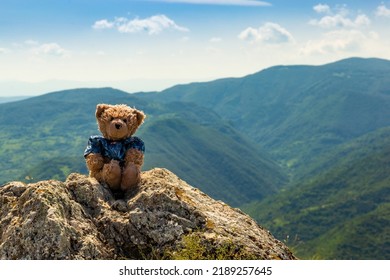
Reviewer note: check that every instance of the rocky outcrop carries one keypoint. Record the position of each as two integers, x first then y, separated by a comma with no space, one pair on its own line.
164,219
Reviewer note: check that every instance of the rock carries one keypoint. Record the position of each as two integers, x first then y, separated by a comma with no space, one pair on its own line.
164,219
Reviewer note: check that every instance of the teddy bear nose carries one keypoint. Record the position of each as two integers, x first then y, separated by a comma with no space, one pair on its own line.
118,125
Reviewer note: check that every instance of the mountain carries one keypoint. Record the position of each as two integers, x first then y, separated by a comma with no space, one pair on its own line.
165,218
301,148
341,211
44,138
297,113
6,99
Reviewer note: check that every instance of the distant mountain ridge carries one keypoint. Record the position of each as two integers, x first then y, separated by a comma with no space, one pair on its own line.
7,99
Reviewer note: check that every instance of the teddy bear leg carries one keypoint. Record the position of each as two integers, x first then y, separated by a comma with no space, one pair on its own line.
131,177
95,165
112,174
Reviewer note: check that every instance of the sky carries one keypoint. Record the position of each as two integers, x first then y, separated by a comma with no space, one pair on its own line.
132,45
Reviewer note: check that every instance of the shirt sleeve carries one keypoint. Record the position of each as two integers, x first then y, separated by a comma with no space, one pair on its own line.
93,146
135,143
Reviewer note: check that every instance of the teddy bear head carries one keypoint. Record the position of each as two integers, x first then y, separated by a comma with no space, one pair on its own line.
117,122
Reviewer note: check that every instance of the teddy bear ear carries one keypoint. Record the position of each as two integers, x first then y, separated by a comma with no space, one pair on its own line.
140,116
100,108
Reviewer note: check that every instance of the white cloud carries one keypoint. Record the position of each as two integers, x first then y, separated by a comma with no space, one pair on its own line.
338,18
51,49
336,42
103,24
151,25
362,20
382,11
340,21
322,9
250,34
268,33
220,2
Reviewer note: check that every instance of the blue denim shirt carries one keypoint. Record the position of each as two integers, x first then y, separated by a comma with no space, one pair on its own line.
113,149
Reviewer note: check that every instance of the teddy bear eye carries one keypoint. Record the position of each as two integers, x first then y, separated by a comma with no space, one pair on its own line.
125,120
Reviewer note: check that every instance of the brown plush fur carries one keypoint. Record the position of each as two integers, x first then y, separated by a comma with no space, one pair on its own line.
117,122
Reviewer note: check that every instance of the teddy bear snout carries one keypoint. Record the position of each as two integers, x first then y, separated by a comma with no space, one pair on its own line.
117,129
118,124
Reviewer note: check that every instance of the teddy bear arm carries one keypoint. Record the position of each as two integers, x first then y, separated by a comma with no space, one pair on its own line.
94,162
134,156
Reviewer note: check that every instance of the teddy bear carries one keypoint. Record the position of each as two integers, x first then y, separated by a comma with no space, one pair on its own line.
116,158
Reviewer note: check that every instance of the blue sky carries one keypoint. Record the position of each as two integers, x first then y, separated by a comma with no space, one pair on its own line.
48,45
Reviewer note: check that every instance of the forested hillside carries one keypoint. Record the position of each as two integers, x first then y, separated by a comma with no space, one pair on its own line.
341,211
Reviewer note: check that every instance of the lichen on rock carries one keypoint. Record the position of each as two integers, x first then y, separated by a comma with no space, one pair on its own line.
81,219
